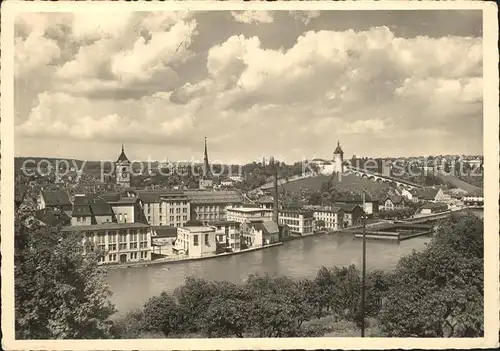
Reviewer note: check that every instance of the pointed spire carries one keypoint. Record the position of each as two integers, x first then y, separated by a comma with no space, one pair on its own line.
206,164
123,149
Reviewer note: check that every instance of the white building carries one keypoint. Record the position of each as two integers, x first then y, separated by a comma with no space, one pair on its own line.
333,217
248,214
300,222
228,234
196,241
119,242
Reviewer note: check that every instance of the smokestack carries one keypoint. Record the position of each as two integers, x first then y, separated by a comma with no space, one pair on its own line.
275,200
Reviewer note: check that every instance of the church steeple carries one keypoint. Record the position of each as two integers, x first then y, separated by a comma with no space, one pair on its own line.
206,164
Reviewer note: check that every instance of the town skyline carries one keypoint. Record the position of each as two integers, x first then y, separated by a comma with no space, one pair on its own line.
358,77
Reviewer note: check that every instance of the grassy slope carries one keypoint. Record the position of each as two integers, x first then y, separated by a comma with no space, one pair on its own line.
459,183
348,182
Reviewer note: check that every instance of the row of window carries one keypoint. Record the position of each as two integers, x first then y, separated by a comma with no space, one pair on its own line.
123,246
171,210
172,218
122,238
210,208
133,256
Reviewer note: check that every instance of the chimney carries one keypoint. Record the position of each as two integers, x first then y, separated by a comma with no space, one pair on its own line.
275,199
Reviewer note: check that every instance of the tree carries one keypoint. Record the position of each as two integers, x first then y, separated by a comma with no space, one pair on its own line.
225,317
161,313
59,292
439,292
320,223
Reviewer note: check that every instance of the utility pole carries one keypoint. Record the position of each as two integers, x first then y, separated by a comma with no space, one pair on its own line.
363,273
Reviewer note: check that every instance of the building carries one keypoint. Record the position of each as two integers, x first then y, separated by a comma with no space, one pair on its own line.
299,221
228,234
430,195
248,214
196,241
170,208
475,199
127,209
259,233
91,210
395,202
352,214
338,159
55,199
163,239
265,201
119,242
366,202
433,207
210,206
332,217
122,170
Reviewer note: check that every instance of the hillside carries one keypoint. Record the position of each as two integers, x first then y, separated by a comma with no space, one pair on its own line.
348,183
459,183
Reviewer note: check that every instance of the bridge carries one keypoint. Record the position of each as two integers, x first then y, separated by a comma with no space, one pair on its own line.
363,173
358,172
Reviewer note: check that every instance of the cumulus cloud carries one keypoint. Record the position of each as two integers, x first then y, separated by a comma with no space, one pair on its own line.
249,17
134,80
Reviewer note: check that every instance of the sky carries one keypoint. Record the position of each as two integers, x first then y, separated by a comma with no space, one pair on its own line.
288,84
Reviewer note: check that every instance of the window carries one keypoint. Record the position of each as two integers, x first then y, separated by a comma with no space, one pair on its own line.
161,208
119,217
123,238
171,218
133,237
207,242
195,240
125,217
123,246
184,210
178,210
171,210
149,210
112,247
133,246
149,218
161,218
184,218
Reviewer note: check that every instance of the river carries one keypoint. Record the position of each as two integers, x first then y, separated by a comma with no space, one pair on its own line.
300,258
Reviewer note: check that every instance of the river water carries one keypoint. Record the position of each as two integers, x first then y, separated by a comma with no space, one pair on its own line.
300,258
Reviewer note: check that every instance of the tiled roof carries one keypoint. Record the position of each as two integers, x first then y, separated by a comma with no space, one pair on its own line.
267,227
222,223
110,196
427,194
105,226
52,217
330,210
81,210
200,229
305,213
265,199
101,210
209,197
165,231
347,207
56,198
150,196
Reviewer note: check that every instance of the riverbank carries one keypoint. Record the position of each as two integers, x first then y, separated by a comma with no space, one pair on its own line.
167,260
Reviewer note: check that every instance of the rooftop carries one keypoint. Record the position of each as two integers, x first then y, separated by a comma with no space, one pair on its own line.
104,226
201,229
248,209
330,209
56,197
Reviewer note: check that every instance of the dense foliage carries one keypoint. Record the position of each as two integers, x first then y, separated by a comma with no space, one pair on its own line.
439,291
59,292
